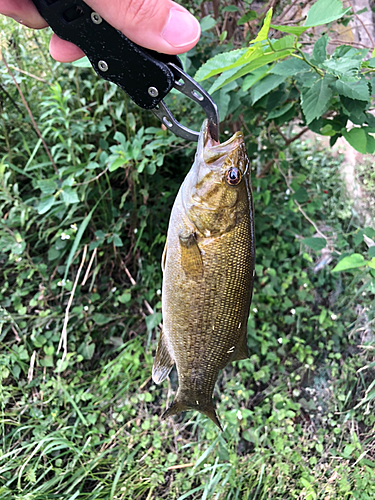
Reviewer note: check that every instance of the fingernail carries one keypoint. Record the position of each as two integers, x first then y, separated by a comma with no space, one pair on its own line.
181,29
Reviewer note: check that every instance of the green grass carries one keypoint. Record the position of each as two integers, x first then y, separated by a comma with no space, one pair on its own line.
298,416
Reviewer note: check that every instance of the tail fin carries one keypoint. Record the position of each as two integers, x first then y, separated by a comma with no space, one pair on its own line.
179,406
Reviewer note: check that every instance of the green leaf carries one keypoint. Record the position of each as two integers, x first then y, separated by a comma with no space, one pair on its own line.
100,319
254,77
47,186
323,12
82,63
354,90
319,52
343,68
290,67
262,88
315,101
301,195
263,33
45,204
230,8
218,64
351,262
249,16
315,243
293,30
117,163
280,111
207,23
153,320
356,137
69,195
117,241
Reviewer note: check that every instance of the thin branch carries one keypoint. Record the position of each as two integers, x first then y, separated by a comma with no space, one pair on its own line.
29,112
92,180
19,70
89,267
64,338
363,24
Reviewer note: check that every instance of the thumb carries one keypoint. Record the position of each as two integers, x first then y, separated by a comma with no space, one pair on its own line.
161,25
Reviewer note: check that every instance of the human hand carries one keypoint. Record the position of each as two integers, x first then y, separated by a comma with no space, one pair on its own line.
161,25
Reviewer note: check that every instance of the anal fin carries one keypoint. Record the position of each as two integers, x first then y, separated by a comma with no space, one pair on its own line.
163,362
191,257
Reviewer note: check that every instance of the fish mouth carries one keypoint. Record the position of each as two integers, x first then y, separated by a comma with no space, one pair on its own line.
213,150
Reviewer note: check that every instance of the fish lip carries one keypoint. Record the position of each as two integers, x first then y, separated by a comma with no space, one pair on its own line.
212,150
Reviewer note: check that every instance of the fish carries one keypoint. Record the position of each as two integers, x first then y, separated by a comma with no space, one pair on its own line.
208,273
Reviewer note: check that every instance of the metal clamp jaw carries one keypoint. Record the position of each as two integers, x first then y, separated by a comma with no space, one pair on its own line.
145,75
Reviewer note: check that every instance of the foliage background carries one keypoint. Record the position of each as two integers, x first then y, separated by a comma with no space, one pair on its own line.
84,214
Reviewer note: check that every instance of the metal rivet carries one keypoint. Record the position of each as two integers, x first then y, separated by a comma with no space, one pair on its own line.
103,66
95,18
153,91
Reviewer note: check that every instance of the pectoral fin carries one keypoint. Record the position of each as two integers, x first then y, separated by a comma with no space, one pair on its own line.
163,362
191,257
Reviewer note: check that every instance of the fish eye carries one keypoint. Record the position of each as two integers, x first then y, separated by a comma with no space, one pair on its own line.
233,176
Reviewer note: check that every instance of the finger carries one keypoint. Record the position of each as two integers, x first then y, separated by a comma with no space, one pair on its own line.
64,51
23,11
161,25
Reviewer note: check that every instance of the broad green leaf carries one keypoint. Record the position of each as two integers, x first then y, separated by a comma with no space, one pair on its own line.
45,204
350,262
248,68
82,63
69,195
370,146
319,52
280,111
354,90
315,101
207,23
262,88
293,30
117,163
343,68
372,263
254,77
324,12
230,8
100,319
263,33
356,137
47,186
290,67
153,320
301,195
249,16
218,64
315,243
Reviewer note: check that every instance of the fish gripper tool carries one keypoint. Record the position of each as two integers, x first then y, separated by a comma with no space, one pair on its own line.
145,75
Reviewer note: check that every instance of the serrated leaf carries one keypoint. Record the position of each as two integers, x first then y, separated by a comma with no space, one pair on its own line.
218,64
356,137
351,262
290,67
315,243
262,88
319,52
45,204
343,68
354,90
315,101
293,30
254,77
323,12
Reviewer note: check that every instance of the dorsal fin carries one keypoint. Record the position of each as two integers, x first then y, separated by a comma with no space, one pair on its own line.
163,362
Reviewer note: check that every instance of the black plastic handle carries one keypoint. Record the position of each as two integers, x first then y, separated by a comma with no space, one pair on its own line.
142,73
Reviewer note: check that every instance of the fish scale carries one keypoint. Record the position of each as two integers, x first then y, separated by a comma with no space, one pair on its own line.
208,266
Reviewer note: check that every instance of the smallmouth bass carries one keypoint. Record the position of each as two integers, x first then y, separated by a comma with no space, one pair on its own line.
208,272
